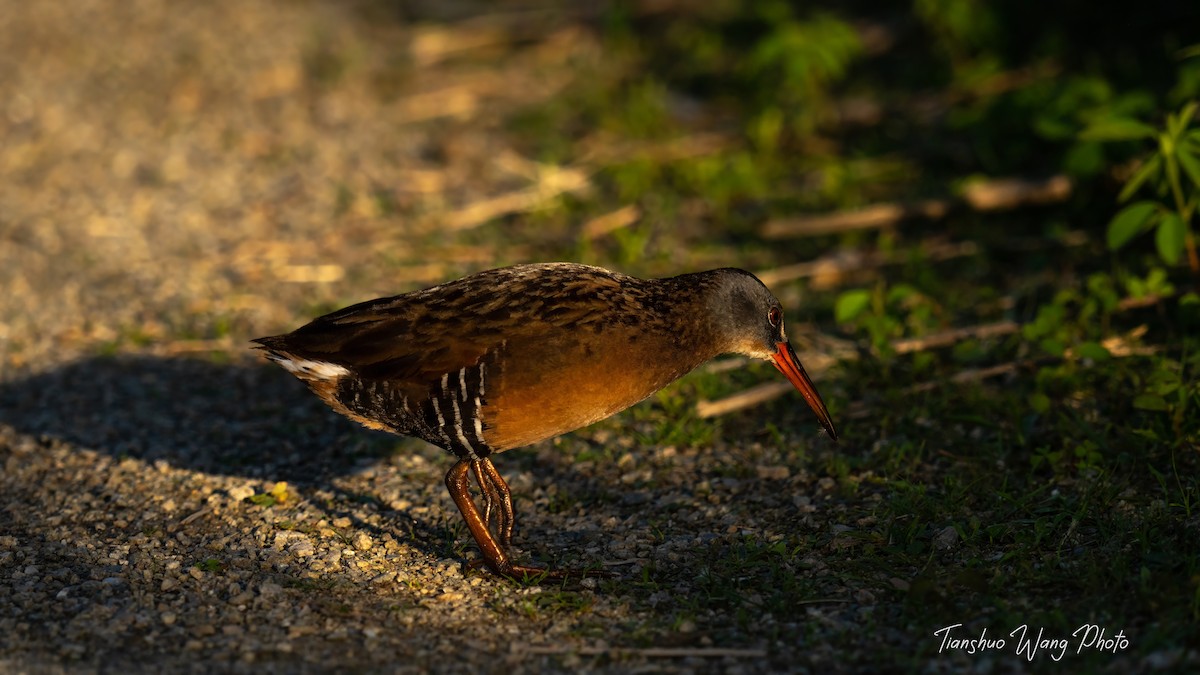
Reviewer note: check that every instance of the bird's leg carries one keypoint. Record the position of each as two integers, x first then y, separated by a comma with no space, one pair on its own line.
494,555
486,488
495,493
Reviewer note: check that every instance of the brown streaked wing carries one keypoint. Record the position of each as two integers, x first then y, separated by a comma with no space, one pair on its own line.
401,342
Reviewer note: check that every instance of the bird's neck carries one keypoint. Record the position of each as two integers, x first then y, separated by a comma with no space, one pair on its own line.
692,303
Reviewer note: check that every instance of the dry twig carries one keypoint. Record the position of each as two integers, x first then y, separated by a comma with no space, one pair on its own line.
610,222
993,195
552,182
835,266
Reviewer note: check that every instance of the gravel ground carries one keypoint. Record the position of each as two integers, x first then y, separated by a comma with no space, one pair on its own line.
133,538
176,178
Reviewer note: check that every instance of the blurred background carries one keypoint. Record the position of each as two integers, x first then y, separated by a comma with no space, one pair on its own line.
979,215
215,171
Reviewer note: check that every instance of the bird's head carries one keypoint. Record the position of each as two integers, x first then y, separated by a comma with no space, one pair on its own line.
750,321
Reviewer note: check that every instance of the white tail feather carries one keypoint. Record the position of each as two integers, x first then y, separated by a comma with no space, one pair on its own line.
304,368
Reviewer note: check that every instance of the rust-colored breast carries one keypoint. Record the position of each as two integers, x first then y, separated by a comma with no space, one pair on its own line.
560,381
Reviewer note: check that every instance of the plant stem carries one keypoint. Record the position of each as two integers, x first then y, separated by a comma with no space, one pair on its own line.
1193,259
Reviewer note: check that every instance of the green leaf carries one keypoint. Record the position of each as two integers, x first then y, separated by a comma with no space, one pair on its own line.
1186,115
900,293
1149,169
1039,402
1128,222
1117,129
264,500
1053,347
1150,402
1177,124
1191,165
1157,282
1164,386
1170,238
1093,350
850,304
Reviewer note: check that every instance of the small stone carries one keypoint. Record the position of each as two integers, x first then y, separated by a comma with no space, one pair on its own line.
946,539
773,472
241,492
362,541
168,618
341,522
168,583
302,548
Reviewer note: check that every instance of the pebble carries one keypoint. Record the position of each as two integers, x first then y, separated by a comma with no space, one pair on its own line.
946,539
302,548
362,541
773,472
241,492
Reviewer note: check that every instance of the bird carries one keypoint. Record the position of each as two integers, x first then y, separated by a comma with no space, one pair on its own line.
508,357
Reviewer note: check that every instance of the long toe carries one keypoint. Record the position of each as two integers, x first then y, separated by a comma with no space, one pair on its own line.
527,574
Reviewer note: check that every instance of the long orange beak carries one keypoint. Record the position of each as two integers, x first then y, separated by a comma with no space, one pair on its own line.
787,363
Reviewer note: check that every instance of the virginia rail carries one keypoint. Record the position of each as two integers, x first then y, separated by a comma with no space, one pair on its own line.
508,357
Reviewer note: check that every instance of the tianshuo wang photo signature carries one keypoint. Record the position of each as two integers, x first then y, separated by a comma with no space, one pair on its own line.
1030,644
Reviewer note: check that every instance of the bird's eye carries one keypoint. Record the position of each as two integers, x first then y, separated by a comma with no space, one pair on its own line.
774,316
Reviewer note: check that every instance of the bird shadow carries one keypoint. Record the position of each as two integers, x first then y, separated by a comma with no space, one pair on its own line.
241,420
254,422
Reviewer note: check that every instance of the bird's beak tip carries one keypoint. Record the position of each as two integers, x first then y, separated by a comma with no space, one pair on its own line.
786,361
